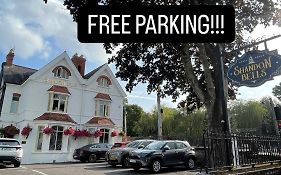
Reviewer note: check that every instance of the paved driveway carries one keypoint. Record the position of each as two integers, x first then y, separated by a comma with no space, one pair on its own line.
84,169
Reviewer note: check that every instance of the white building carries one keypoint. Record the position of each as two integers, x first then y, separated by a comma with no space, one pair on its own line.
60,96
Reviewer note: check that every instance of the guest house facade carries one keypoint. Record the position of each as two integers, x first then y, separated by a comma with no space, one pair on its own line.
59,108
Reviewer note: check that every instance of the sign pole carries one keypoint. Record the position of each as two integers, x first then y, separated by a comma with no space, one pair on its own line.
222,94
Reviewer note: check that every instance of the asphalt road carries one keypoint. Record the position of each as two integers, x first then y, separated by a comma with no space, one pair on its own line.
85,169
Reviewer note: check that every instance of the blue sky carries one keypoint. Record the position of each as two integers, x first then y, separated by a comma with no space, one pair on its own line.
39,32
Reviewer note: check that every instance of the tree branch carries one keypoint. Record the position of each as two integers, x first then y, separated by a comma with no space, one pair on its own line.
207,72
191,78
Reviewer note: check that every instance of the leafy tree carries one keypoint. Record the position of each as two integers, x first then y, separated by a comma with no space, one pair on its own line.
249,116
277,91
182,68
134,113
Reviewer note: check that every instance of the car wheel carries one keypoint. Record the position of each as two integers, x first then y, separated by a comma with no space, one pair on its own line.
136,168
125,162
92,158
155,166
17,164
190,163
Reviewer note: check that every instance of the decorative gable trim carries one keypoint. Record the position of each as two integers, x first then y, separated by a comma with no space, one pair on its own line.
103,96
60,89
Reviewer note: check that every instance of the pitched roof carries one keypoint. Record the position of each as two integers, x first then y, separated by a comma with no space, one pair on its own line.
55,117
100,121
103,96
88,75
16,74
61,89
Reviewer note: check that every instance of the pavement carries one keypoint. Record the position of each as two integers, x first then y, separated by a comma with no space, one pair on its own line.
101,168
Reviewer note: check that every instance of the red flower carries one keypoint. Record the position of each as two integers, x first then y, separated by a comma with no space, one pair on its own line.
98,133
48,130
114,133
25,131
66,132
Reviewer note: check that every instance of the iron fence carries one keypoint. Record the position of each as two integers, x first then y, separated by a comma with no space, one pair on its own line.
246,150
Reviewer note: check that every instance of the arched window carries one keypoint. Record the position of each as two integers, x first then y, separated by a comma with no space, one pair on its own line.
56,138
61,72
105,135
104,81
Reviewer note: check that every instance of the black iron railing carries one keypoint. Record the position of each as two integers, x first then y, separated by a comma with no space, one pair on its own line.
246,150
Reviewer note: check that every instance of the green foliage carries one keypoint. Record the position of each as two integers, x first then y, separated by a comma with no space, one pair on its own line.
134,113
252,116
277,91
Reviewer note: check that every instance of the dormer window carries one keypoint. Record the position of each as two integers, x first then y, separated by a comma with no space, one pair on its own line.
104,81
61,72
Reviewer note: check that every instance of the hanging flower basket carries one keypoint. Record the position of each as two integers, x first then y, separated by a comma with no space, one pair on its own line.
67,132
122,133
11,131
97,133
48,130
26,131
114,133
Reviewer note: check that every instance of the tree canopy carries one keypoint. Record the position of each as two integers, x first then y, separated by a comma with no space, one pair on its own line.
186,69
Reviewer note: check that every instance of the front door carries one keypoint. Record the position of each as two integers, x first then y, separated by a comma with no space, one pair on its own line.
170,156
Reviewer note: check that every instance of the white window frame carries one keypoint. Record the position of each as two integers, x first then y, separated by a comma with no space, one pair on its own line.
40,131
103,82
51,102
55,134
14,104
105,110
105,132
61,73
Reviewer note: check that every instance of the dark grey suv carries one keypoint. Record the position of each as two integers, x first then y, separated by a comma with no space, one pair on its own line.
121,155
163,153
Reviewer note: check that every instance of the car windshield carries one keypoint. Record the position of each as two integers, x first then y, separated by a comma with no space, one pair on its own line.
9,143
155,145
133,144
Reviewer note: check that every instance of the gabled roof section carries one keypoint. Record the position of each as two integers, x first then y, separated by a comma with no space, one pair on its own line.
103,96
111,76
100,121
55,117
54,63
88,75
16,74
60,89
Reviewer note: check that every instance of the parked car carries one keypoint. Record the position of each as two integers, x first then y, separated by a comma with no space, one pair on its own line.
119,145
91,152
163,153
120,156
10,151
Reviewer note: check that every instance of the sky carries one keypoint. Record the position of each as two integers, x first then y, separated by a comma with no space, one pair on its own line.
39,32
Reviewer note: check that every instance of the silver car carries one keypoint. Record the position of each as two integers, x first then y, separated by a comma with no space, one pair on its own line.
120,156
10,151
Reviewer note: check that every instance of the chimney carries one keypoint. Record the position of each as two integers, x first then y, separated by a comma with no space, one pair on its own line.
79,62
10,57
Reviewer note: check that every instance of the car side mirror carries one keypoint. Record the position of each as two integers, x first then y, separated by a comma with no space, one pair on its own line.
141,147
166,148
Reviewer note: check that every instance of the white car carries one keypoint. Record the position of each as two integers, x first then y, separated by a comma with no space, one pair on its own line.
10,151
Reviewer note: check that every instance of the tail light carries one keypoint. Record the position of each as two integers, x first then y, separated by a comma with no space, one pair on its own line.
81,152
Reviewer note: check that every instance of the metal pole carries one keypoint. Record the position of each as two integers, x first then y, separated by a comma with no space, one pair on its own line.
222,93
159,115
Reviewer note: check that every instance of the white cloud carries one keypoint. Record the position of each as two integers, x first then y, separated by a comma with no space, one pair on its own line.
34,27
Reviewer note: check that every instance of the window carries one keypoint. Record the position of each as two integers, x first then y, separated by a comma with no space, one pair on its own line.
104,81
180,145
171,145
15,103
104,137
61,72
56,138
39,138
58,102
102,108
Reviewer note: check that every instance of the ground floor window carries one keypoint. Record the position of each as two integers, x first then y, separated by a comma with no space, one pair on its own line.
105,135
56,138
39,138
